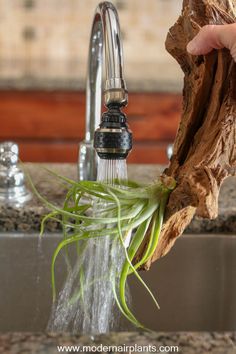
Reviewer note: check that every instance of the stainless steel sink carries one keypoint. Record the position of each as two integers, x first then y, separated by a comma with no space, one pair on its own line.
195,284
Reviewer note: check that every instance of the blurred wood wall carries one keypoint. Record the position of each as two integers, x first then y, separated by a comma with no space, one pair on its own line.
49,125
43,51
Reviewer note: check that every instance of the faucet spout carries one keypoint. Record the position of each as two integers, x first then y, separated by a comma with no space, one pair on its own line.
105,46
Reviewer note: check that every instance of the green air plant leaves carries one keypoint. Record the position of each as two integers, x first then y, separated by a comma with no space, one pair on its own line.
134,208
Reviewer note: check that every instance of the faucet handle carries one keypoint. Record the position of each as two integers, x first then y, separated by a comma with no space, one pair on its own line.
9,153
169,151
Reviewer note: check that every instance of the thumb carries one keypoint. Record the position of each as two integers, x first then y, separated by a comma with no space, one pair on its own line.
214,37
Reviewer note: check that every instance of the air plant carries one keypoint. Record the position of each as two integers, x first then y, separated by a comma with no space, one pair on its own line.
127,207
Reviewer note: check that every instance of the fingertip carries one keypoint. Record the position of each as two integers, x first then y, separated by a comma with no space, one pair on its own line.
201,44
192,48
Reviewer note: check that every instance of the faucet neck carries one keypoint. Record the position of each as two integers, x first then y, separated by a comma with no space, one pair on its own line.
105,46
105,38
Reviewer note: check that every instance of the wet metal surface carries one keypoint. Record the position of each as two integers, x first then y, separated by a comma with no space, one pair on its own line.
195,284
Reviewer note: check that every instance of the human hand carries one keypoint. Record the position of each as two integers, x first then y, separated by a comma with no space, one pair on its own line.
214,37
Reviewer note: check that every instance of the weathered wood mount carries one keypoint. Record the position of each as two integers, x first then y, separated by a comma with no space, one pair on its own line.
205,145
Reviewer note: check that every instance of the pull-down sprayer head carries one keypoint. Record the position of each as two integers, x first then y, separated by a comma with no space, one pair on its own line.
112,140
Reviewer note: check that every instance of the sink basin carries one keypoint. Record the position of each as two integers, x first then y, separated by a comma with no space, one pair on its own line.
195,284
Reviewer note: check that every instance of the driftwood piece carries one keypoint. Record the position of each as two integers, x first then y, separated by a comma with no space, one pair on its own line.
205,145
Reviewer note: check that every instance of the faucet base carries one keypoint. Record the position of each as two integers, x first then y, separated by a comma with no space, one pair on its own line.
87,164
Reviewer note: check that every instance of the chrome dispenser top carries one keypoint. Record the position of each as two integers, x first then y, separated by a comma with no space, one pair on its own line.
12,180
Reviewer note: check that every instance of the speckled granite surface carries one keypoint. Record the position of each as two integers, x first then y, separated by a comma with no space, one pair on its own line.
186,343
27,218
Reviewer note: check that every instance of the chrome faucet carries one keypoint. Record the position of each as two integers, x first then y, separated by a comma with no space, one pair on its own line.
105,42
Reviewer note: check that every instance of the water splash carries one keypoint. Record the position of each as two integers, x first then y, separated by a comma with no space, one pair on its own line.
111,170
86,303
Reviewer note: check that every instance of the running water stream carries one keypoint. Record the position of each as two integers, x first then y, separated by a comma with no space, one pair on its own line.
93,308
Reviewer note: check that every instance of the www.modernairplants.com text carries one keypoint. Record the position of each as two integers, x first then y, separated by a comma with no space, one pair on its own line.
119,348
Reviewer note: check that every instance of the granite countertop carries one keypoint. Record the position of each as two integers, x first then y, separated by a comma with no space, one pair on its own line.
27,218
185,343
